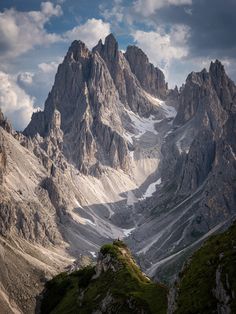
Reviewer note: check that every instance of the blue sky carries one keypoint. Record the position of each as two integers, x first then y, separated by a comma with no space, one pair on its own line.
179,36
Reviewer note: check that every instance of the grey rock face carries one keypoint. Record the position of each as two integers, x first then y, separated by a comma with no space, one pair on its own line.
222,296
4,123
198,174
151,78
91,92
80,97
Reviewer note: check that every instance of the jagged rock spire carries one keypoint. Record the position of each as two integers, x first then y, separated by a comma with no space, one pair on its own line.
151,79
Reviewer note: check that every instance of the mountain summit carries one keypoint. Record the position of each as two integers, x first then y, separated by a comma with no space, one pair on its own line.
88,87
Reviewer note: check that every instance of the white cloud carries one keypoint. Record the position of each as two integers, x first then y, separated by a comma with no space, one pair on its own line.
89,32
39,82
50,67
22,31
148,7
48,9
115,14
16,105
162,48
25,78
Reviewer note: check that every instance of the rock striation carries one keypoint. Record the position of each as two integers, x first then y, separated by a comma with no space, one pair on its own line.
151,78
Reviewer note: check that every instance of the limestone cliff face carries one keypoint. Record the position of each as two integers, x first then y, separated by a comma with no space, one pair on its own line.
207,112
151,78
92,92
198,174
85,97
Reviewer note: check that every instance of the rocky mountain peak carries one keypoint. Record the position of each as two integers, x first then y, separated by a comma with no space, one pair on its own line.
78,50
225,88
108,50
136,52
85,102
151,78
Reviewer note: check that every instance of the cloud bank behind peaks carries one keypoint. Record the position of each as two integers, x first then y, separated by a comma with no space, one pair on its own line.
164,48
89,32
16,105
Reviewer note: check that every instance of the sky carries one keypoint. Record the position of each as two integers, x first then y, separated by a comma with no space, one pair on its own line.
179,36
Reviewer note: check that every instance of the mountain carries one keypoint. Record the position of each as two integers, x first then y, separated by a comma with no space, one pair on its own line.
114,285
115,154
197,196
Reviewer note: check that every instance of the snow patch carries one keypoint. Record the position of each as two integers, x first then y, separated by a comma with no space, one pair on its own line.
232,152
169,111
142,125
151,189
93,254
127,232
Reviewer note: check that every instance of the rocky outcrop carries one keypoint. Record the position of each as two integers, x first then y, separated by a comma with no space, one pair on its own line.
221,294
3,158
151,78
4,123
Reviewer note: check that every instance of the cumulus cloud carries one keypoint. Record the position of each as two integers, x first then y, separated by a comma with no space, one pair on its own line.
148,7
25,78
16,105
162,47
22,31
50,67
89,32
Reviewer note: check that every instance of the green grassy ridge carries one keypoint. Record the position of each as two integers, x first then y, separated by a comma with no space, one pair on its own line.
126,285
198,278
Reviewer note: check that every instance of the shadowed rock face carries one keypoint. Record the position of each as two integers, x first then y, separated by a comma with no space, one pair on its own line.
151,78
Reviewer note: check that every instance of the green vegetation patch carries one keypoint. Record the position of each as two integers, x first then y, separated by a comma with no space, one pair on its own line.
199,278
127,289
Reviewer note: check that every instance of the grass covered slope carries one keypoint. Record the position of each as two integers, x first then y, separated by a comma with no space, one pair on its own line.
208,282
114,285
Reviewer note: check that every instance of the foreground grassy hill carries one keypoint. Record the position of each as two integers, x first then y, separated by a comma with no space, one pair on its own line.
206,285
114,285
208,282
